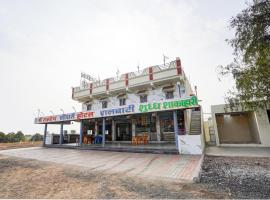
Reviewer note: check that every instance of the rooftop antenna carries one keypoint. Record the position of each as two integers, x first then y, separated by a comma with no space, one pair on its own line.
62,110
73,108
117,73
38,112
195,90
164,59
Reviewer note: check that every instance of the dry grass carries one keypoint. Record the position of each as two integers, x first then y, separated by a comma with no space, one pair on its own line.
4,146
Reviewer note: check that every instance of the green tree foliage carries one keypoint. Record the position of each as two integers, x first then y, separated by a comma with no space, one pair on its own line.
12,137
2,137
19,136
251,66
37,137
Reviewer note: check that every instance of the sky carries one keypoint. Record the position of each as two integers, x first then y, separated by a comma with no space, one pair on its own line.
45,45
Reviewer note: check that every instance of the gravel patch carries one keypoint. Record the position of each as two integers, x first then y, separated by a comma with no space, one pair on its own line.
240,177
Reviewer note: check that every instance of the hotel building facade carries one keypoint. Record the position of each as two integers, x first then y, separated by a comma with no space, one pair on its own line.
152,107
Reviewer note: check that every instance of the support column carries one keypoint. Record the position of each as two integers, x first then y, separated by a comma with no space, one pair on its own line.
158,128
175,125
133,127
149,116
45,134
61,134
81,133
103,131
96,128
113,130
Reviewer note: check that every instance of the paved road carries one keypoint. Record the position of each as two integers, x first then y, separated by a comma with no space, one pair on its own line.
157,166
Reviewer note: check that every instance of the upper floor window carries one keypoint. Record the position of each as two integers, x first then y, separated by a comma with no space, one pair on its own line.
89,107
143,98
169,95
104,104
122,101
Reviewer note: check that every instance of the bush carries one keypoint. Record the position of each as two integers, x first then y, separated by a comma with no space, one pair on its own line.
37,137
12,137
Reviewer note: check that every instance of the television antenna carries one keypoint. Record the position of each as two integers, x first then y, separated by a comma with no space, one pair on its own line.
117,73
164,59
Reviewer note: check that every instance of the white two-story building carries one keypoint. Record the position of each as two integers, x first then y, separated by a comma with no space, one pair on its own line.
152,107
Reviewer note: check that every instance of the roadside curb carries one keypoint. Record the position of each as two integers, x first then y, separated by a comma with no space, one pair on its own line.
198,171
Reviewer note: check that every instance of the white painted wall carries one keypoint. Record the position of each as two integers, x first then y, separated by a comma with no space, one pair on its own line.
264,127
155,95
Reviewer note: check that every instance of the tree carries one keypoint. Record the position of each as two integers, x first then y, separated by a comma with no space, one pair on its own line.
251,66
19,136
37,137
2,137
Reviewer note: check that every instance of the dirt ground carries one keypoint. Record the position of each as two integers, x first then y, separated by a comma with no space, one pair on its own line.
25,178
221,177
241,177
4,146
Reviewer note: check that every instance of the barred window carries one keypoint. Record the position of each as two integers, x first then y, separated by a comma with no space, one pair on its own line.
169,95
143,98
104,104
89,107
122,101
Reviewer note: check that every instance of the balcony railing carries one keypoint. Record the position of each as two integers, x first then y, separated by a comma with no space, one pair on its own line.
129,80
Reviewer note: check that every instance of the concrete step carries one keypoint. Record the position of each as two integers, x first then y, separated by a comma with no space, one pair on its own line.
154,150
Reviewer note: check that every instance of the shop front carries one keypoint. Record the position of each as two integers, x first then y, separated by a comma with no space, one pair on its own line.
156,125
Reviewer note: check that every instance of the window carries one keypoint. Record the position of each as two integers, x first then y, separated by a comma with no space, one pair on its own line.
89,107
104,104
268,113
122,101
169,95
143,98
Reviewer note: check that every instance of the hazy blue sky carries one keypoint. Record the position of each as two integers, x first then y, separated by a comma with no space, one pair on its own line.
45,45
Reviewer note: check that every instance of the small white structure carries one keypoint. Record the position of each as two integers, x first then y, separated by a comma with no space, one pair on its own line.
240,127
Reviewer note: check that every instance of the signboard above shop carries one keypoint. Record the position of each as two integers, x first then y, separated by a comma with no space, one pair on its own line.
64,117
189,102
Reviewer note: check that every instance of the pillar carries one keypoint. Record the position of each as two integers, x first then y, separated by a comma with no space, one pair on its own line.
81,133
158,128
133,127
118,131
149,116
175,125
127,129
113,130
96,128
103,131
45,134
61,134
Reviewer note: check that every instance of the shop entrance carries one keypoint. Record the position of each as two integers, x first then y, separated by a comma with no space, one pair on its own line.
237,128
93,128
123,132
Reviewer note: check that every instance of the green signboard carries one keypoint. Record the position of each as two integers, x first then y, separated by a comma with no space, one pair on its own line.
167,105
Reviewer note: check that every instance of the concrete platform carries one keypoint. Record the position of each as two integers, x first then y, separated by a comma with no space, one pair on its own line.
124,147
180,168
238,151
